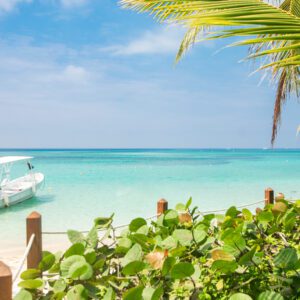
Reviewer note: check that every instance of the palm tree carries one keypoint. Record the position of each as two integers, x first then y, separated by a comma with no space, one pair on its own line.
271,30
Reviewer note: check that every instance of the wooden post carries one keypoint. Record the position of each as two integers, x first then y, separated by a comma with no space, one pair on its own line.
162,206
269,196
5,282
34,226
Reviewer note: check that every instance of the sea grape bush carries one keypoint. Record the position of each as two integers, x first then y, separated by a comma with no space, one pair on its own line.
181,255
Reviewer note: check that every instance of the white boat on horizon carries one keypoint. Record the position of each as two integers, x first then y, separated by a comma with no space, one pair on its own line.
13,191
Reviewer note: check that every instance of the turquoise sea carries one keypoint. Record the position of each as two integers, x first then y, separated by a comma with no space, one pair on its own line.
83,184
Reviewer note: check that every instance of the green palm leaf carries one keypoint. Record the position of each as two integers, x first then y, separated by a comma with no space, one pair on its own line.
276,31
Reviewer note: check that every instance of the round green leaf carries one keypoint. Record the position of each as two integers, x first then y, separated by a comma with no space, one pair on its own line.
59,286
199,235
134,253
171,218
182,270
48,260
270,295
80,270
77,292
183,236
224,266
287,258
240,296
23,295
133,268
75,249
134,293
68,262
136,224
30,274
31,284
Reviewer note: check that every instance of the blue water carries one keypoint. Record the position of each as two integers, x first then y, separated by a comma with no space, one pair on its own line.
84,184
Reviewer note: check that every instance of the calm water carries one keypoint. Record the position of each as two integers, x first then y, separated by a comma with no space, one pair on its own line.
83,184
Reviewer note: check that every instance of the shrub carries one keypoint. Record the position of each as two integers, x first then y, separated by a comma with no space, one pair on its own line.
181,255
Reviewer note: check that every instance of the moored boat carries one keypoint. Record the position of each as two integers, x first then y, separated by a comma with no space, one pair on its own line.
13,191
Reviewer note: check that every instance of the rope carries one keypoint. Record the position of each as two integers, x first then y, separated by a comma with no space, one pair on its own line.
87,231
225,209
24,257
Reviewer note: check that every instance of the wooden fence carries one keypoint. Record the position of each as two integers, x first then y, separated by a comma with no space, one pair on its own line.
34,244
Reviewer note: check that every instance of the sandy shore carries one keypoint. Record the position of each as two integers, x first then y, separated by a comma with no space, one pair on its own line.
12,257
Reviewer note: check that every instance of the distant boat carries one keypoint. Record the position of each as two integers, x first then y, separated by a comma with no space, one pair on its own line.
13,191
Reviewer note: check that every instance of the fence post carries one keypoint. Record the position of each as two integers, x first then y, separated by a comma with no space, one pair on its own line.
269,196
34,226
162,206
5,282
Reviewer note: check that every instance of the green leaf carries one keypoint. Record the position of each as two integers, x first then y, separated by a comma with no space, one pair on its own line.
59,286
31,284
67,263
77,292
48,260
270,295
75,249
30,274
125,243
265,217
199,235
182,270
247,214
168,265
224,266
80,270
149,293
188,204
23,295
183,236
90,257
75,236
219,254
170,218
134,293
103,222
110,294
133,268
286,259
240,296
169,243
92,237
134,253
232,212
143,230
247,258
136,224
180,207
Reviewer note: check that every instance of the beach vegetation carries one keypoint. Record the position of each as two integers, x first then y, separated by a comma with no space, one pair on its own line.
182,254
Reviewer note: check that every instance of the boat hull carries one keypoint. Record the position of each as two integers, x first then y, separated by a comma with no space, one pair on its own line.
21,189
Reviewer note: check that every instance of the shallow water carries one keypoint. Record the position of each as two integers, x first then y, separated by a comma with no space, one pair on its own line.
84,184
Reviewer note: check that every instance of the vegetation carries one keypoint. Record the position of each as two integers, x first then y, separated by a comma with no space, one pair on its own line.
272,31
181,255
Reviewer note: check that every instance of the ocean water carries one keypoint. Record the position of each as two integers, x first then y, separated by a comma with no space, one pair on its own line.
81,185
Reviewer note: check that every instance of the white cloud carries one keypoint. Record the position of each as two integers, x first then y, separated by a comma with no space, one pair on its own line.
73,3
161,41
75,73
8,5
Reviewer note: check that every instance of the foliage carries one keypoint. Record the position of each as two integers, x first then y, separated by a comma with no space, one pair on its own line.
272,31
181,255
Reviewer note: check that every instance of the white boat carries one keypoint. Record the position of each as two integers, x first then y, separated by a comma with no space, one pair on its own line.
13,191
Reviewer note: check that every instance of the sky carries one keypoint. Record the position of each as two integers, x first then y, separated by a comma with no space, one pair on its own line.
89,74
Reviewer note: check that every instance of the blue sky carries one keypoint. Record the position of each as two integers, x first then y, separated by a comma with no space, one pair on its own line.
86,73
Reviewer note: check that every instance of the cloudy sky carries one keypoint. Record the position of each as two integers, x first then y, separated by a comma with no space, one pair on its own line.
86,73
